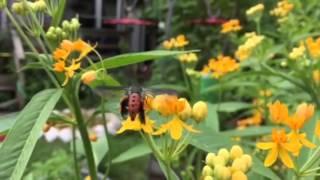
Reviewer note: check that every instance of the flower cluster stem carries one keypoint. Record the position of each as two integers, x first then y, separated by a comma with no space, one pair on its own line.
85,137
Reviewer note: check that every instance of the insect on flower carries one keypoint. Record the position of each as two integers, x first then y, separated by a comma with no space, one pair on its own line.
136,100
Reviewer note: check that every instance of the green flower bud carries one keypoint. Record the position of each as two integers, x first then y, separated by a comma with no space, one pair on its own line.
65,25
40,6
207,171
49,35
64,35
58,31
17,7
51,29
75,24
3,4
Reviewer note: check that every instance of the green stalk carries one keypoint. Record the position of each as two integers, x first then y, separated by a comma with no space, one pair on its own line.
84,134
74,149
310,162
22,34
108,164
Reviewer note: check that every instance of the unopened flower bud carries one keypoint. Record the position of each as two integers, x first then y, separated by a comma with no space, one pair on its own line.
208,178
239,165
219,160
65,25
89,76
46,127
40,5
199,111
236,152
93,137
238,175
248,159
207,171
87,178
17,7
210,159
187,111
58,31
222,172
3,4
224,153
75,24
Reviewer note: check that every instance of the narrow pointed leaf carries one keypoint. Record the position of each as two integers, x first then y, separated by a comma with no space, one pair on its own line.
22,137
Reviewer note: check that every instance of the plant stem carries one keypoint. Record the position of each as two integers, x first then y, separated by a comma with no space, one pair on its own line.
85,136
74,149
22,34
168,169
108,164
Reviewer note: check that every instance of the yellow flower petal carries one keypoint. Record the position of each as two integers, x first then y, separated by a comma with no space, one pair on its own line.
317,129
176,130
266,145
286,159
304,141
271,157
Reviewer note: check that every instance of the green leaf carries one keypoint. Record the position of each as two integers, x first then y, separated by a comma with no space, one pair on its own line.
178,88
57,16
32,65
212,120
209,140
7,121
231,106
259,168
134,152
24,134
100,149
133,58
250,131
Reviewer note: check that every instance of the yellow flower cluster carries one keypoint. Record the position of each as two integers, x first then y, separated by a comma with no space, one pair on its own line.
220,66
232,25
245,50
227,165
178,42
283,9
282,144
177,109
65,60
313,47
255,10
297,52
188,57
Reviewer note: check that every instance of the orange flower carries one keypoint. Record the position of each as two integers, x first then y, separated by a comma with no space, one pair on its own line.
254,120
305,111
181,41
313,47
167,105
278,112
64,63
221,66
169,44
279,147
232,25
283,9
